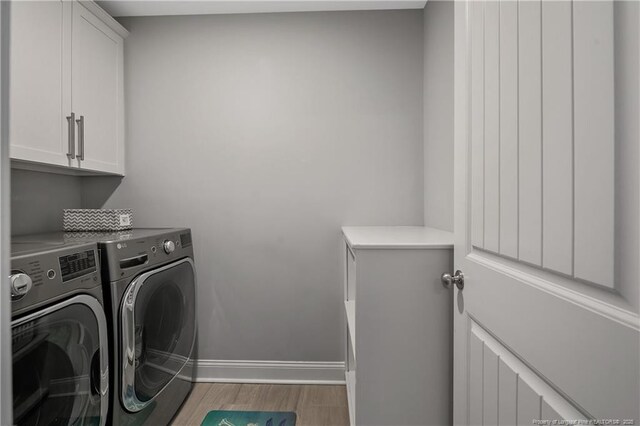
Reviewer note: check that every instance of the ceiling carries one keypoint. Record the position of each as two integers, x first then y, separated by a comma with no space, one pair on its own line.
207,7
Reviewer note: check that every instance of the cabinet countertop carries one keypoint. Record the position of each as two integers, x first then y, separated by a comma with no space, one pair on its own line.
397,237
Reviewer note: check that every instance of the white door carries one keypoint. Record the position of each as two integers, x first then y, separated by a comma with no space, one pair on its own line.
97,92
40,97
546,221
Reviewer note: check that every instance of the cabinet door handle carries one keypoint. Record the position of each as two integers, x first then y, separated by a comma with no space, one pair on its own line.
81,138
72,136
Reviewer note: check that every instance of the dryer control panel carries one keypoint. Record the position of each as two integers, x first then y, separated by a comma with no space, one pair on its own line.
142,249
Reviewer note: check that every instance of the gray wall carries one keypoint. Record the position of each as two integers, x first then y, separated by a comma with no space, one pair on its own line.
438,114
265,134
37,200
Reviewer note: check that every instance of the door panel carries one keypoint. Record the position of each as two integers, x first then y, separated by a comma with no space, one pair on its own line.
97,64
524,392
528,404
594,141
491,115
566,140
538,329
557,137
40,93
489,386
507,394
476,13
529,173
476,390
509,129
570,339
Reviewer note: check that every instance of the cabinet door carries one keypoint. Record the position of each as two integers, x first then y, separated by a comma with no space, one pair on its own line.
97,91
40,96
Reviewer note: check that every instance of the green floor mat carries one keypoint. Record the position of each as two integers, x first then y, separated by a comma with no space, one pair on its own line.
249,418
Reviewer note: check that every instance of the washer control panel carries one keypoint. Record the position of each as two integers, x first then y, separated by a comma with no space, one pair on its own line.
39,277
77,264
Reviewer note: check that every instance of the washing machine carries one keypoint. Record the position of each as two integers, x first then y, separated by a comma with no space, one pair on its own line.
59,335
149,279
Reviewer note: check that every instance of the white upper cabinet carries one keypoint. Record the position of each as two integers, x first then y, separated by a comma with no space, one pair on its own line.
96,55
66,86
39,100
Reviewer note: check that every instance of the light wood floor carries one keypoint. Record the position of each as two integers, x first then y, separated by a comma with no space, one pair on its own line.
315,405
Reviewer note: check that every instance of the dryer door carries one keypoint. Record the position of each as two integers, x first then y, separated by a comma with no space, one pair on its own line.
61,365
158,331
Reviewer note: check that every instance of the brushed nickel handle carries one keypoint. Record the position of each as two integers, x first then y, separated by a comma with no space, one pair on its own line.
457,279
72,136
81,138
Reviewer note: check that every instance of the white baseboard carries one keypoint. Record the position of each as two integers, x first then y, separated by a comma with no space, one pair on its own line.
282,372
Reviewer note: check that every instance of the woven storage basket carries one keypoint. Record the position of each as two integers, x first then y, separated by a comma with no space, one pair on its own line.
97,220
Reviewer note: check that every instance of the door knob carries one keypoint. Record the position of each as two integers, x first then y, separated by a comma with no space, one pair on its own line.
457,279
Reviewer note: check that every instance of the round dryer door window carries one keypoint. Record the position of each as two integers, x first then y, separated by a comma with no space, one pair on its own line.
158,331
60,365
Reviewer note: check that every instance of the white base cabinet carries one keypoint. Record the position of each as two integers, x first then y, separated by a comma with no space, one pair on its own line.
399,325
66,87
